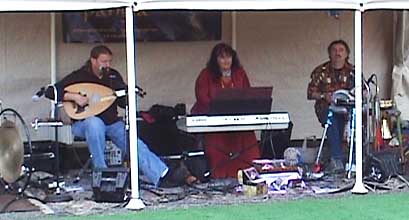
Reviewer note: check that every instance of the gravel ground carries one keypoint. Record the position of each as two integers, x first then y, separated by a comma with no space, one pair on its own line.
205,194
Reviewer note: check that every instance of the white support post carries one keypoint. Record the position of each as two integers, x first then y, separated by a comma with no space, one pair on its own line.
135,202
359,187
53,59
234,30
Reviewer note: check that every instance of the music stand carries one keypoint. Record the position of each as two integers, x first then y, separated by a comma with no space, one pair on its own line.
237,101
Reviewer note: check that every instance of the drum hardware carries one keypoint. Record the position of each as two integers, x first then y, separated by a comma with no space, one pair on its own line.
343,102
386,132
59,195
374,122
317,165
393,114
351,142
12,170
386,104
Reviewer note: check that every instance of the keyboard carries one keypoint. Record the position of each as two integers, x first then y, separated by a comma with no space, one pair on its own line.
251,119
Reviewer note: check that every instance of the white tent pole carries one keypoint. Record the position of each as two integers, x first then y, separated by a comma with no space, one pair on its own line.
234,30
53,60
135,202
359,186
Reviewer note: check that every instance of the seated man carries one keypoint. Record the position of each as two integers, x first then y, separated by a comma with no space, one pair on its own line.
327,78
107,124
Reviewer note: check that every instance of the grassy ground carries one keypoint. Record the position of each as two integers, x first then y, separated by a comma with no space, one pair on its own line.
374,207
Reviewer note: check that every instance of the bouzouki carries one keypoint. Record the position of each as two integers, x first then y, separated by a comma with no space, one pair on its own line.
99,99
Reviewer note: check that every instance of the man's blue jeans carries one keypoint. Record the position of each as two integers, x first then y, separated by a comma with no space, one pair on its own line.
335,134
94,131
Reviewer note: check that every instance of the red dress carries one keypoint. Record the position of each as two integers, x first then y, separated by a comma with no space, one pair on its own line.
227,152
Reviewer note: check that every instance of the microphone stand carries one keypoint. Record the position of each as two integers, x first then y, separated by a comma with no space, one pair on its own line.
58,196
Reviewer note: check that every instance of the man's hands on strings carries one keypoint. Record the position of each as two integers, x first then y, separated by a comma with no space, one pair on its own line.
81,100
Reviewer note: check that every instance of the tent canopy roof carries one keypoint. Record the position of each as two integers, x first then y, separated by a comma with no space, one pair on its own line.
385,4
246,4
74,5
271,4
61,5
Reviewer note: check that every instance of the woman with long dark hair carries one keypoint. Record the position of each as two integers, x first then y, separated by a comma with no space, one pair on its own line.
227,152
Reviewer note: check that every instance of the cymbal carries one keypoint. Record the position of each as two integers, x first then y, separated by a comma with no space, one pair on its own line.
11,152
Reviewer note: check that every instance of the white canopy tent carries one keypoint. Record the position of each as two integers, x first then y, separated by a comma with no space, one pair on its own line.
359,6
61,5
246,4
76,5
384,4
355,5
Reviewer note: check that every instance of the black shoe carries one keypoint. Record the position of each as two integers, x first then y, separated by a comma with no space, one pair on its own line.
178,176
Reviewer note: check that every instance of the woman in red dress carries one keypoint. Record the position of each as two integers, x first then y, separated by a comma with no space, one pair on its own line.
227,152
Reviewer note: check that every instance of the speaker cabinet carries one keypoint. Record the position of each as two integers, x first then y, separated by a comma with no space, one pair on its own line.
110,184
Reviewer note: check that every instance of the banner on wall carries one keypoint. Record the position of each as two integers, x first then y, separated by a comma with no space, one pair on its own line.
108,26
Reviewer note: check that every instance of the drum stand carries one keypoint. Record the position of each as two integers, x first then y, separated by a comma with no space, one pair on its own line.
318,166
352,126
59,195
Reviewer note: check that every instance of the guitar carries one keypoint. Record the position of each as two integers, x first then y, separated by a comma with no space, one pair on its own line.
99,99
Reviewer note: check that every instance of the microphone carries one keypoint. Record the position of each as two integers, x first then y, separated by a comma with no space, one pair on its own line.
103,70
51,92
370,79
36,97
47,91
140,91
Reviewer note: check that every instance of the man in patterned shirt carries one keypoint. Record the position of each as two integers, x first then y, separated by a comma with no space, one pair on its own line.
335,74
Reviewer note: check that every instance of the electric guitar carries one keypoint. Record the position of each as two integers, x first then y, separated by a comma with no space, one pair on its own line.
99,99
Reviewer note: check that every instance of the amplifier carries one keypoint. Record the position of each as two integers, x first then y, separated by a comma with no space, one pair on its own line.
110,184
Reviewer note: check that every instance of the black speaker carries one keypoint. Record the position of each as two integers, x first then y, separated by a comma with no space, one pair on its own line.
110,184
